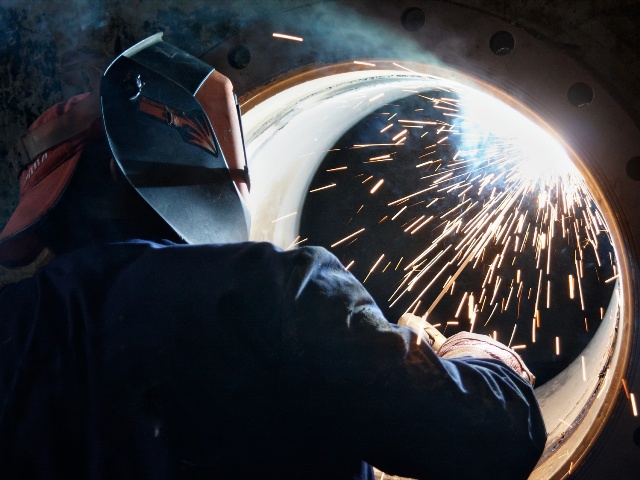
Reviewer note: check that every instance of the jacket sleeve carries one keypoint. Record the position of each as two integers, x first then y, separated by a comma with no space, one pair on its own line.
393,400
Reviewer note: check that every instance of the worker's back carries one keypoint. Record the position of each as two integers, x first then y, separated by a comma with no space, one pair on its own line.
137,360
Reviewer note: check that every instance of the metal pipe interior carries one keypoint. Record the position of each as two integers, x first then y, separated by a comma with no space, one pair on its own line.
288,135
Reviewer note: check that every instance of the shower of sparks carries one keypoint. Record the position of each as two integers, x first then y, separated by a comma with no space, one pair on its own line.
505,204
288,37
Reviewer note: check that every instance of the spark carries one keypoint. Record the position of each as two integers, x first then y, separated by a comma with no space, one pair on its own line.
373,268
571,288
584,369
464,297
422,224
410,196
418,122
358,62
381,157
634,408
296,242
367,145
377,186
548,294
284,216
367,179
414,223
376,97
492,312
399,212
512,334
350,265
404,68
336,169
625,387
399,135
557,345
288,37
579,285
323,188
533,330
348,237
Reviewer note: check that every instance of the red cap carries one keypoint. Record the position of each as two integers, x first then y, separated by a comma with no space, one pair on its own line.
41,184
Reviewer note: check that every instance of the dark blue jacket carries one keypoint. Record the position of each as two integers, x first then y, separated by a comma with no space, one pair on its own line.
136,360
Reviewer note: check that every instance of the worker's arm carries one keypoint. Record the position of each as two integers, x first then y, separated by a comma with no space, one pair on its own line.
466,344
404,409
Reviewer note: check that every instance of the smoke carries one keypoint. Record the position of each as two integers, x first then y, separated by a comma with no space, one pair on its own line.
343,31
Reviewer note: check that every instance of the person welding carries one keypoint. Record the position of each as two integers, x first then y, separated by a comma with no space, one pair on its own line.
144,336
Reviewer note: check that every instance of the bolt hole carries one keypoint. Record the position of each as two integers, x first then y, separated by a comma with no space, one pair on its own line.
239,57
633,168
636,436
502,43
413,19
580,94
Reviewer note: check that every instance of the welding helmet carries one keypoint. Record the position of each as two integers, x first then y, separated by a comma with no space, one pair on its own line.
157,105
155,99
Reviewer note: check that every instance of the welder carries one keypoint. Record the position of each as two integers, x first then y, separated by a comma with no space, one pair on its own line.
144,336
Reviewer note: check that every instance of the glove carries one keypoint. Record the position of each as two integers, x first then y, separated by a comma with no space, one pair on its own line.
424,329
465,344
